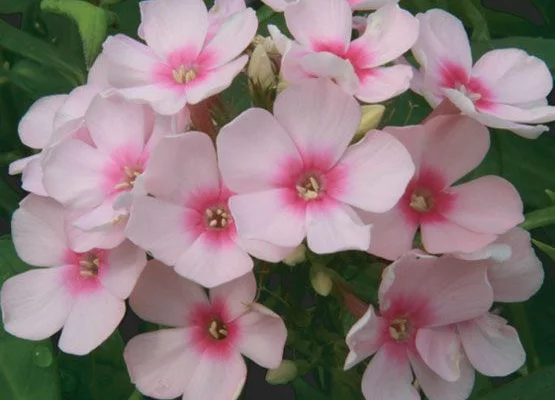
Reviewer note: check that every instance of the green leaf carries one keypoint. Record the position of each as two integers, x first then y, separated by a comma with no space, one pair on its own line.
28,370
101,375
539,47
38,80
536,386
547,249
92,22
539,218
305,391
44,53
9,199
15,6
136,396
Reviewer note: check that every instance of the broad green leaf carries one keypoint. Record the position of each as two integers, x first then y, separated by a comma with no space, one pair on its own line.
536,46
92,22
305,391
27,46
15,6
539,385
100,375
539,218
28,370
38,80
547,249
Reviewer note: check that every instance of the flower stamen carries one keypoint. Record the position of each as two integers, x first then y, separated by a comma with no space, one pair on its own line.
399,330
421,200
309,189
217,217
217,329
89,265
183,74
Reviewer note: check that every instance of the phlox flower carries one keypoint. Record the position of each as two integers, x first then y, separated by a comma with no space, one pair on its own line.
94,176
463,217
323,48
515,274
81,293
420,298
179,64
281,5
296,176
505,88
201,357
188,223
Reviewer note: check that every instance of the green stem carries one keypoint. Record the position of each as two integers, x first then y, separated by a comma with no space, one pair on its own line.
539,218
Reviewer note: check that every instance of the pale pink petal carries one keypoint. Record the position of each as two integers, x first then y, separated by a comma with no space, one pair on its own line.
237,295
17,166
492,347
37,125
173,169
456,145
319,116
100,217
210,263
124,264
262,336
364,338
391,234
159,363
215,80
69,118
320,22
233,36
291,68
170,25
413,137
513,76
440,348
489,204
130,62
383,83
163,99
377,171
74,174
278,5
495,251
333,227
445,289
388,376
263,250
370,4
253,150
519,277
31,179
117,126
267,216
328,65
390,32
163,297
436,388
35,304
536,115
104,237
38,231
442,43
216,378
93,318
98,74
160,228
446,237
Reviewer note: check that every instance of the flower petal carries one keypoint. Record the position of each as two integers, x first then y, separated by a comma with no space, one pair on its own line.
378,169
440,348
93,318
37,125
38,231
319,116
328,65
31,179
380,84
447,237
237,295
364,338
124,264
35,304
163,297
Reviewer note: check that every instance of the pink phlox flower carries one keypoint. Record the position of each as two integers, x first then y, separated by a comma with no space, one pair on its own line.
412,333
322,47
356,5
188,223
81,293
202,357
179,64
506,88
451,218
296,176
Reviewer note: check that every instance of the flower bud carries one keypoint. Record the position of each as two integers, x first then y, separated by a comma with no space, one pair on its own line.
320,278
286,372
260,70
297,256
371,118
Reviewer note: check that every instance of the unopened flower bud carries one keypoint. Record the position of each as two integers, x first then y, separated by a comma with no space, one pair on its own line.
297,256
320,278
286,372
370,119
261,71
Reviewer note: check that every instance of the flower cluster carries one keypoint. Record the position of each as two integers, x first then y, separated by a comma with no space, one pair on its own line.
132,166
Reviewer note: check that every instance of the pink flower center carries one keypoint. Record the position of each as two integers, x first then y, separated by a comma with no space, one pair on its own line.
455,77
400,329
422,200
184,75
218,329
128,178
309,187
217,217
